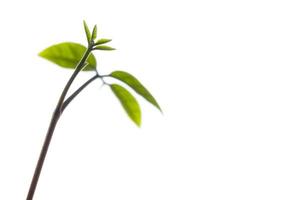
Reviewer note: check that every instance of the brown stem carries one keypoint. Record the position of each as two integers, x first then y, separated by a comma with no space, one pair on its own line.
70,98
55,117
54,120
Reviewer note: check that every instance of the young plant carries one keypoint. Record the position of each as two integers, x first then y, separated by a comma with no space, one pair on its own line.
80,58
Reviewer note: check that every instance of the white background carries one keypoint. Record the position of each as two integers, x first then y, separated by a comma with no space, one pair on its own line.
214,66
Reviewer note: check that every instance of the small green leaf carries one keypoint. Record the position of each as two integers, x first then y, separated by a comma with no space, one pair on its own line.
87,32
134,83
67,55
94,33
128,102
102,41
102,47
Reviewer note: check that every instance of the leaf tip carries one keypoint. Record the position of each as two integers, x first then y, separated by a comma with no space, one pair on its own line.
138,123
159,108
85,24
161,111
41,54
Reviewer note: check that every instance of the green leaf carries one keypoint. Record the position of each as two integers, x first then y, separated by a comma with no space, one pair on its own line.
134,83
87,32
94,33
67,55
102,41
128,102
102,47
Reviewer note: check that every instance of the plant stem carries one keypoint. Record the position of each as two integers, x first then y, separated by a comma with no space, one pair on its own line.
70,98
55,117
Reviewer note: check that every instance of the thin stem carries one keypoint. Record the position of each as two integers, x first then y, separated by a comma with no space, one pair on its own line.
69,83
55,117
71,97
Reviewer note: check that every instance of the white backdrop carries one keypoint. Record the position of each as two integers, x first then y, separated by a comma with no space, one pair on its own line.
214,66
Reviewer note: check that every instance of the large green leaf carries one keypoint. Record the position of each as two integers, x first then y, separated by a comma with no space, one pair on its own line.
67,55
128,102
134,83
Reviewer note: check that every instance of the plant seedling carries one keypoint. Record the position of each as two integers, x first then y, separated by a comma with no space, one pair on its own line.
80,58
